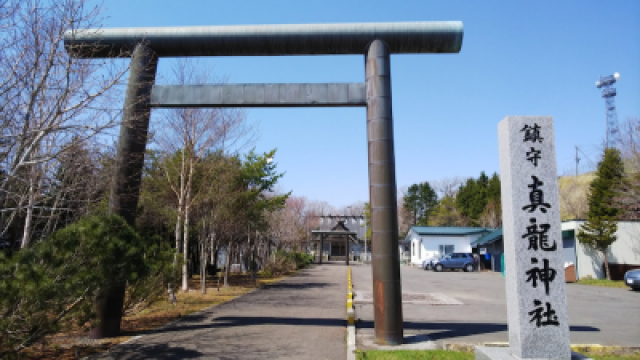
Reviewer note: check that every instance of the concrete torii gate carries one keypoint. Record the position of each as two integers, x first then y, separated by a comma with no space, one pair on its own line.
377,41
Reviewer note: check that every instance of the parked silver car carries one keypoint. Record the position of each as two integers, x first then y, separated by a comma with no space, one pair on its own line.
427,263
632,279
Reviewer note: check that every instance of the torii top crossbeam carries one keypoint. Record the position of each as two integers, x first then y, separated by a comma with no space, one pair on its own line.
250,40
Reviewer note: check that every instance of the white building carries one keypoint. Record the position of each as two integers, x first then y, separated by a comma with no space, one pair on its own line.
426,242
623,254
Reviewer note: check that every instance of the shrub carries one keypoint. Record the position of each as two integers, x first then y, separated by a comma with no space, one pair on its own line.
302,259
287,261
53,283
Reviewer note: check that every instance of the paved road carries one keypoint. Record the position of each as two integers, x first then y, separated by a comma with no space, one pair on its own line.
301,317
471,308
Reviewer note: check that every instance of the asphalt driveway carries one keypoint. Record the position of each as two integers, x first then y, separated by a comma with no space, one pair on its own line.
470,308
300,317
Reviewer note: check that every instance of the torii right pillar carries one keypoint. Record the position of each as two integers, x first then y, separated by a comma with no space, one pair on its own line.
387,291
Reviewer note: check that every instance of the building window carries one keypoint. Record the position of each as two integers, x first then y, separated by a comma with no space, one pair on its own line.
445,249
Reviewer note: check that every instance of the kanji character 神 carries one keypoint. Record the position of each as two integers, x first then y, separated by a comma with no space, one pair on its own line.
544,275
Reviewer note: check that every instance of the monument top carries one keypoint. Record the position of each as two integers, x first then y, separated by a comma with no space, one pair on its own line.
269,40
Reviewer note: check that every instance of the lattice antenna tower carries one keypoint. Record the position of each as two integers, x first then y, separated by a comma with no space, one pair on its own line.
609,93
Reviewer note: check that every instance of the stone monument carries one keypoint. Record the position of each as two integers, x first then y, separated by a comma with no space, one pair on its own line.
535,285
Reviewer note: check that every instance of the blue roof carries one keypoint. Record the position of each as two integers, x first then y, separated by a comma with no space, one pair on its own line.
489,238
448,230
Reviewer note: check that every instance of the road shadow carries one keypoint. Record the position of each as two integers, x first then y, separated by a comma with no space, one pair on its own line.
444,330
189,323
153,351
297,286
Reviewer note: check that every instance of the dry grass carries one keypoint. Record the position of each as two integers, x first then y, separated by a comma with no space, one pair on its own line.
75,344
602,282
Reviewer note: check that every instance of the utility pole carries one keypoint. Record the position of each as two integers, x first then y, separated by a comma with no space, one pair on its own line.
577,160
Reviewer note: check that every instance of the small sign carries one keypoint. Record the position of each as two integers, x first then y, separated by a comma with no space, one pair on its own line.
483,251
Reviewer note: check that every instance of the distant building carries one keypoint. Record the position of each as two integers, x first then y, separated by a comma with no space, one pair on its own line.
624,254
334,244
426,242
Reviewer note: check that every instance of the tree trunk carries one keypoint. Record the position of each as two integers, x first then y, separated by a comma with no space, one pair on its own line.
185,255
203,267
26,234
253,261
178,233
214,258
227,268
248,252
52,221
606,264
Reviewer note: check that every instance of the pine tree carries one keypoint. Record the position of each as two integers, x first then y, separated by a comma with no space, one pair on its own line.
419,201
599,230
475,195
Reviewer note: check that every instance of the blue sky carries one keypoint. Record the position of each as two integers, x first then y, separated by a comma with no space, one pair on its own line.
517,58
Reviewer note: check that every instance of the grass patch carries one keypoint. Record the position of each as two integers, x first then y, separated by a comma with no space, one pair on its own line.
608,352
613,357
605,354
74,344
414,354
602,282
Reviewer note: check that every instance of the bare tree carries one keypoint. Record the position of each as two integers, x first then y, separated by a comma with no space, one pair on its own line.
448,186
491,215
48,99
319,208
628,198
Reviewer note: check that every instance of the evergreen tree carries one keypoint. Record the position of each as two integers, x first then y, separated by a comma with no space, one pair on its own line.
419,201
476,194
465,198
599,230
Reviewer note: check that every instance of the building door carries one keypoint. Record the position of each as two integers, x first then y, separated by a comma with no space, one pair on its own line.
338,249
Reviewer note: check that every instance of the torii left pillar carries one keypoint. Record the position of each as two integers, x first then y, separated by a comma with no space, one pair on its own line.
125,188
